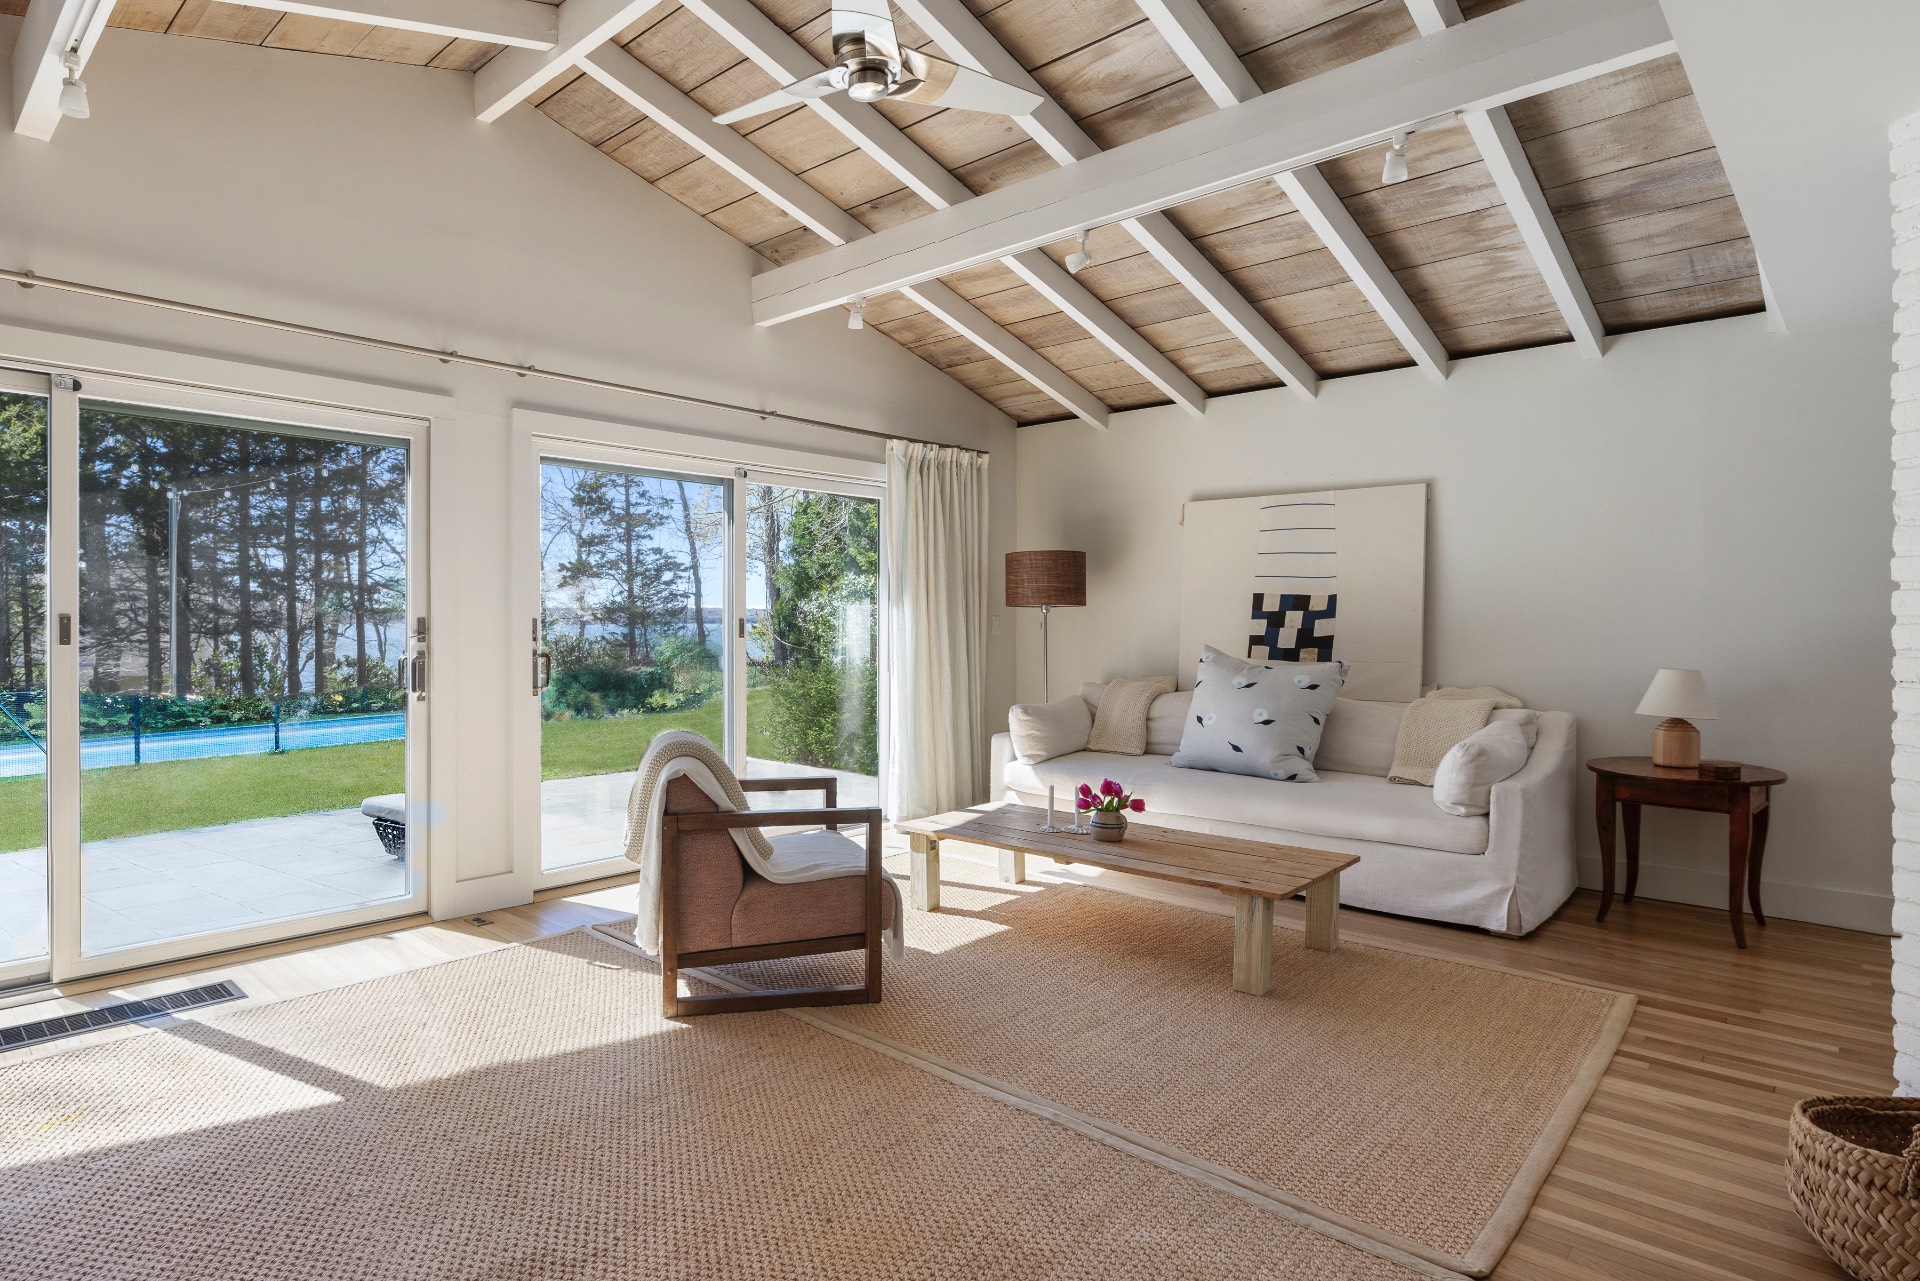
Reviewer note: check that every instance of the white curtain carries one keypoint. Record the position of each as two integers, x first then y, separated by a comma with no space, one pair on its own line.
937,555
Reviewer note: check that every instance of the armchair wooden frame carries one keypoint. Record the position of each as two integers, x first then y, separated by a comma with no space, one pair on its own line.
673,1002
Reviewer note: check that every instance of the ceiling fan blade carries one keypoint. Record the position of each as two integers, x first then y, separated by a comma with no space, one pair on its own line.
814,86
871,21
939,83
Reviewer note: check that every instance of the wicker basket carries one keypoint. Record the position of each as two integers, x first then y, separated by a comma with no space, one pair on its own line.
1853,1171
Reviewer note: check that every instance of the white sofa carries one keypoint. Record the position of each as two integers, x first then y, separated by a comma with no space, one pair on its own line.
1505,871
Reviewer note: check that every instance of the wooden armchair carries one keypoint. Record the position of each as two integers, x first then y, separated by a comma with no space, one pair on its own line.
716,910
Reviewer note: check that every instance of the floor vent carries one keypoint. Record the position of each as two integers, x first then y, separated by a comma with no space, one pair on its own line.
16,1038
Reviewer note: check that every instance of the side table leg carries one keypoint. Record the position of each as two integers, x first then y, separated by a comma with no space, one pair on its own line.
1630,827
1252,943
926,872
1013,866
1739,841
1603,818
1761,821
1323,914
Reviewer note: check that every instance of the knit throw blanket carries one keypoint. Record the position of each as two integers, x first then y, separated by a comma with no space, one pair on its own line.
1434,724
798,856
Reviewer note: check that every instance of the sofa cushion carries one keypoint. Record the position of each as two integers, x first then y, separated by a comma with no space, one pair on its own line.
1359,737
1167,721
1353,806
1042,730
1262,719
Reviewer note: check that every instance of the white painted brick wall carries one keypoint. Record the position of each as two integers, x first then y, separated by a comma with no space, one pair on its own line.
1904,139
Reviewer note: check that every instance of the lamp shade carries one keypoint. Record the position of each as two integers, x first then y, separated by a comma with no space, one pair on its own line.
1678,692
1046,578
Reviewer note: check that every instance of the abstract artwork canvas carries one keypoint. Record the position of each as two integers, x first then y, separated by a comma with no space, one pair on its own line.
1311,578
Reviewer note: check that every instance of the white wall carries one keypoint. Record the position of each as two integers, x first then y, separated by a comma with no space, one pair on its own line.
363,196
1905,139
1708,496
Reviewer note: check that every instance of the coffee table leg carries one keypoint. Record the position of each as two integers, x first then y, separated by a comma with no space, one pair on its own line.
1252,943
926,872
1323,914
1013,866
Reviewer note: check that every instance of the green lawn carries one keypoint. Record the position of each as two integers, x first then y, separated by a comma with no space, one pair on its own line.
164,796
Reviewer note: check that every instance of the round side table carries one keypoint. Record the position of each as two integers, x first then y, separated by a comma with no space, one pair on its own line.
1747,801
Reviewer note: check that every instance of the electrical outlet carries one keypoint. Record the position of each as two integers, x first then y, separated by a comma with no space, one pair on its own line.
996,624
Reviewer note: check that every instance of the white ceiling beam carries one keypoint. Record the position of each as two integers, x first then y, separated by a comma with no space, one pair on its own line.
522,24
1526,49
581,26
1320,205
1513,175
758,37
640,87
1198,42
984,333
1432,16
49,29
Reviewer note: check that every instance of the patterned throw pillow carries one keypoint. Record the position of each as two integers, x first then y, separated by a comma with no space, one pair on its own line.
1262,719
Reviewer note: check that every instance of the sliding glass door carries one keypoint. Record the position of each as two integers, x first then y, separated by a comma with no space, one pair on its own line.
229,701
671,592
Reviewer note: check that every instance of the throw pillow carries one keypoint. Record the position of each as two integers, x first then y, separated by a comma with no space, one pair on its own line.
1428,732
1167,721
1464,782
1359,737
1120,722
1042,731
1262,719
1526,718
1092,692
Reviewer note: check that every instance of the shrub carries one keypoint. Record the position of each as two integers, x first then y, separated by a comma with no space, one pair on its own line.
824,714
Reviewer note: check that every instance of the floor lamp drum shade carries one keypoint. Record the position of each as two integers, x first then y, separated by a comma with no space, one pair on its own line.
1042,580
1680,695
1039,580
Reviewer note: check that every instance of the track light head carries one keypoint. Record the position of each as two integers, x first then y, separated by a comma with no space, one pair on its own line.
73,91
1395,169
857,314
1079,260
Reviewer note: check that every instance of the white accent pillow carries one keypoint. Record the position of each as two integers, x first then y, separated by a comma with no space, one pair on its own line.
1042,731
1463,783
1359,737
1525,717
1167,721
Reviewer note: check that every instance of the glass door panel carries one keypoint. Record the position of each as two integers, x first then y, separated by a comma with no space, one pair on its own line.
813,640
243,632
23,686
633,620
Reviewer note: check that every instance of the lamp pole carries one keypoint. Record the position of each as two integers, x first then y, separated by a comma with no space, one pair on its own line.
1046,667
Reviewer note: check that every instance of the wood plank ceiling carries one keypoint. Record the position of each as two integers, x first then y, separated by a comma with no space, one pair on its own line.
1624,159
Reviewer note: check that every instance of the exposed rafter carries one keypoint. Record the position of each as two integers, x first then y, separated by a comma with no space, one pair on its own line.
1513,175
1517,52
523,24
581,26
1320,205
962,36
762,41
1194,37
985,333
640,87
48,31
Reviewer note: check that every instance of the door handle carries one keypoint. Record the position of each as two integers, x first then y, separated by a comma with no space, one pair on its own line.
418,677
542,669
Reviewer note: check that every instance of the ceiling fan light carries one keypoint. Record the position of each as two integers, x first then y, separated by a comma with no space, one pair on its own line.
1395,168
868,84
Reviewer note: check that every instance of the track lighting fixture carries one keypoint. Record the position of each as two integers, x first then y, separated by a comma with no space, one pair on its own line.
73,91
857,315
1395,169
1079,260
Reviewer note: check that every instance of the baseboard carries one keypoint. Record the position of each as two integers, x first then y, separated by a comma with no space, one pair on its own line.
1817,904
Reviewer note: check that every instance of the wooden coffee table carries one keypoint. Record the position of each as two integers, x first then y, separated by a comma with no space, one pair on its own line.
1254,872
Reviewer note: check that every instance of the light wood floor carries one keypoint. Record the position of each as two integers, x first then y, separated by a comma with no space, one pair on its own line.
1673,1172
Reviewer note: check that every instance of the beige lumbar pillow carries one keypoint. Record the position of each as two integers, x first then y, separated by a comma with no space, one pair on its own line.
1120,722
1042,731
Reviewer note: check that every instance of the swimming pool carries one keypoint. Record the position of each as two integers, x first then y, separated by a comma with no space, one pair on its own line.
19,759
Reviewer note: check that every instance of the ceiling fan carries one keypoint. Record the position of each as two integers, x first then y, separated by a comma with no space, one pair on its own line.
870,64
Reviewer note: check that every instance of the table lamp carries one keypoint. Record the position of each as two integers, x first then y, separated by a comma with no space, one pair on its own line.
1680,695
1044,580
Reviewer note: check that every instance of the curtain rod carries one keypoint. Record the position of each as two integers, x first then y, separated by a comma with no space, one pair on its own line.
27,280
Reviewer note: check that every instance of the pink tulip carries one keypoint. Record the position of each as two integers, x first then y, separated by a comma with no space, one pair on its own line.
1109,788
1085,790
1083,803
1137,805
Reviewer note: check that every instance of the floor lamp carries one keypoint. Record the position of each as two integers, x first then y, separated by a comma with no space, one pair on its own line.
1043,580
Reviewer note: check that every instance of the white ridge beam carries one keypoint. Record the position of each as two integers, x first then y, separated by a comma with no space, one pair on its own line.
962,36
581,26
49,29
1513,53
1320,205
786,59
523,24
986,334
1194,37
640,87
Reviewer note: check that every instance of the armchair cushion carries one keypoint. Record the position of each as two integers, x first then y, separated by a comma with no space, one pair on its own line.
711,873
769,912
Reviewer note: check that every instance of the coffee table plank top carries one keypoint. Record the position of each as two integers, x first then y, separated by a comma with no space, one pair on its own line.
1194,858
